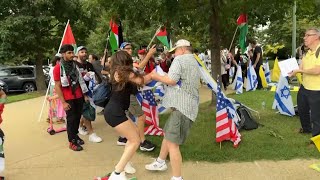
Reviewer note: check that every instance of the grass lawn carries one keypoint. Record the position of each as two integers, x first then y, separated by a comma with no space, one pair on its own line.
24,96
277,139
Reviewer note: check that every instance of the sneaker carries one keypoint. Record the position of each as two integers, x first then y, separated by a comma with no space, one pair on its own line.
75,146
80,141
83,131
156,166
147,146
172,178
121,176
94,138
129,168
122,141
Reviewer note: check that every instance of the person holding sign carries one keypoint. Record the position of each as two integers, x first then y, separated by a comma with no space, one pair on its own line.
309,93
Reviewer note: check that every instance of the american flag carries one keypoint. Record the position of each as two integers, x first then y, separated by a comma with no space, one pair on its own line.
225,127
150,109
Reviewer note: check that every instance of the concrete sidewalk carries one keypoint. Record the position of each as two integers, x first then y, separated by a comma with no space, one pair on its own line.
31,153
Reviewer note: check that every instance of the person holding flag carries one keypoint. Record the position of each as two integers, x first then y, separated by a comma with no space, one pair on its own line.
308,98
184,102
256,60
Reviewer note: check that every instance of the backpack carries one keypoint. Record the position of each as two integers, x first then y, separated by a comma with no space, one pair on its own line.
101,94
247,121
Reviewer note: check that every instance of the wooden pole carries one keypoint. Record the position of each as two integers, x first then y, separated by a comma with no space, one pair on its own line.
234,35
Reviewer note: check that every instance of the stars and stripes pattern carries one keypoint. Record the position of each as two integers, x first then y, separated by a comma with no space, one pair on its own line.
225,127
150,109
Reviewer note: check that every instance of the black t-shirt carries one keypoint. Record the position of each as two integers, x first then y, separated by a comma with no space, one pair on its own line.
257,50
122,98
87,67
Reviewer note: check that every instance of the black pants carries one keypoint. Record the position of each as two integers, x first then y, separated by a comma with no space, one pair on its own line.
244,72
309,110
258,77
73,117
225,79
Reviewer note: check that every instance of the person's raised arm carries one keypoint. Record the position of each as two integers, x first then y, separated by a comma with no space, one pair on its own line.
150,53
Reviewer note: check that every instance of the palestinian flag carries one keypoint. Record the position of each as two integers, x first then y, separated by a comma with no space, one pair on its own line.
116,37
242,22
68,37
163,37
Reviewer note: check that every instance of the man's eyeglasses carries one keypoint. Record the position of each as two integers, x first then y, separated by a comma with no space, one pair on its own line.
307,35
128,48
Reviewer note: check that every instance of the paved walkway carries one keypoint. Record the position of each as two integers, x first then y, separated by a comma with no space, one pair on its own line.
31,153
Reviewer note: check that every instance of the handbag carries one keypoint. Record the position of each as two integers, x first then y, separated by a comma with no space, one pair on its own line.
89,112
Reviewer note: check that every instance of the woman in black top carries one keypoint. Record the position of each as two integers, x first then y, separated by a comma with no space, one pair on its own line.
124,82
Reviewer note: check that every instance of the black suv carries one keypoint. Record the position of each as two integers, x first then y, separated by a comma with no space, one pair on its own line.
19,78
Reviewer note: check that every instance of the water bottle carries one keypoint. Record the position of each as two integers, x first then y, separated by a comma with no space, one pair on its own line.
263,104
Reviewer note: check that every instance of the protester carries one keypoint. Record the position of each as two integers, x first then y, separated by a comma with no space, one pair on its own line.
308,98
59,112
225,67
135,108
86,69
70,88
3,99
239,60
184,102
256,60
124,82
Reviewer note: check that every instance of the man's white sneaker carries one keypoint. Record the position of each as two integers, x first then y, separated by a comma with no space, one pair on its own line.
129,168
121,176
83,131
94,138
156,166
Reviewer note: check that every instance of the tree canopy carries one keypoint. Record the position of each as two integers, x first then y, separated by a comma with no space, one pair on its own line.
32,29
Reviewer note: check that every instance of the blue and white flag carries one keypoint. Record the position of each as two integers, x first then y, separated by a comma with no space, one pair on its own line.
212,84
239,81
267,71
282,99
252,81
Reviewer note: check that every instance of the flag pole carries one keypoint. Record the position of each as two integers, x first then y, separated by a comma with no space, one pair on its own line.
235,32
154,36
44,101
45,97
65,29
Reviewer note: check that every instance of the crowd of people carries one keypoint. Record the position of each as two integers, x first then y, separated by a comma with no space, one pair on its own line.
71,88
74,77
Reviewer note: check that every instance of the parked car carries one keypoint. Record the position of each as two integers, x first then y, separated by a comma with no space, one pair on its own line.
4,86
19,78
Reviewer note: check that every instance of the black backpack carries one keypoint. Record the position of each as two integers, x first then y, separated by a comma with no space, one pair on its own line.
247,121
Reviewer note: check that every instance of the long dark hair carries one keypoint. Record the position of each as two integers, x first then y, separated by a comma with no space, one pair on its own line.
122,63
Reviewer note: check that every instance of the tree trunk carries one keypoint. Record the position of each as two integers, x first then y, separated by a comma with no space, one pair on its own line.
40,80
215,37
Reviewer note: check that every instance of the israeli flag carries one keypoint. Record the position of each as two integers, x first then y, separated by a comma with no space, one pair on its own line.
267,71
239,81
282,99
252,81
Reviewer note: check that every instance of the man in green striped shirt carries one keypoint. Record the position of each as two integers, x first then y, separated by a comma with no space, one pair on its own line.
182,96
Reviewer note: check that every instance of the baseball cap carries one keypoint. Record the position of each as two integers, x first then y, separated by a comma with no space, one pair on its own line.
180,43
142,51
124,44
80,48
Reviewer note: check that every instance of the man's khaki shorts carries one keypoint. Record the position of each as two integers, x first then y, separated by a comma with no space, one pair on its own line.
177,127
135,109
